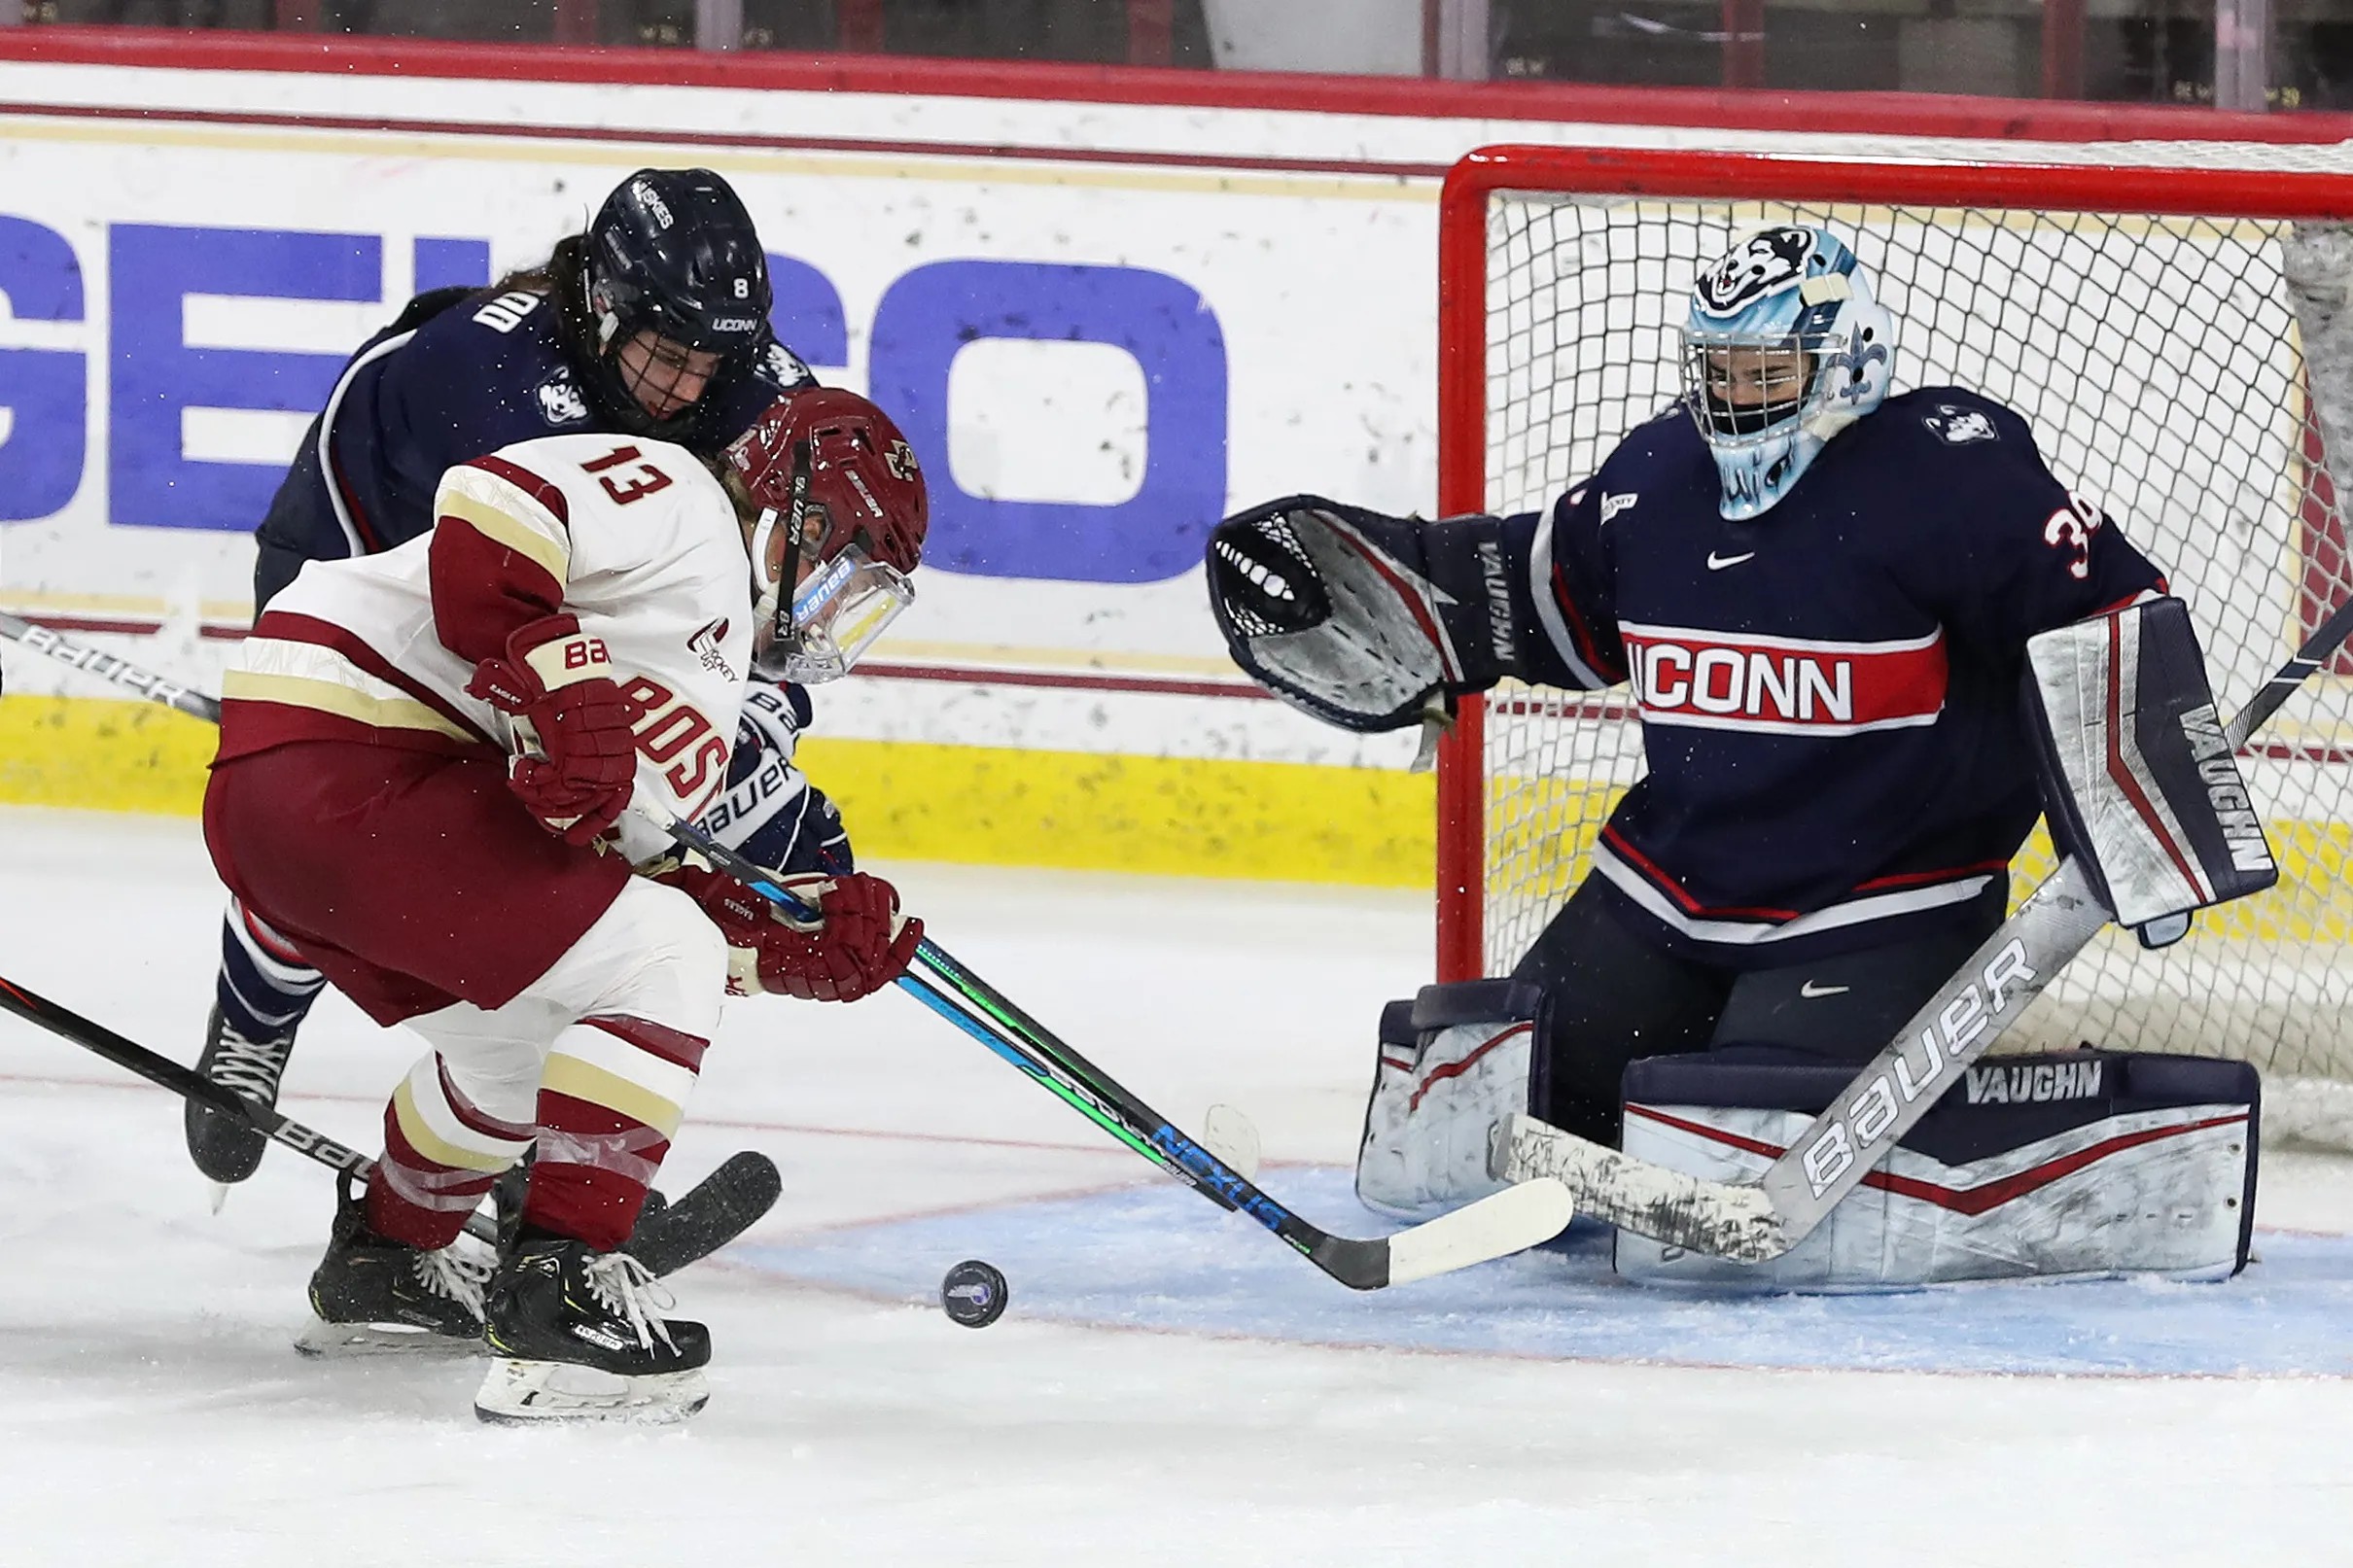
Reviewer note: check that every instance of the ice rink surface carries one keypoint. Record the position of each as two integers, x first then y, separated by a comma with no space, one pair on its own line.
1169,1386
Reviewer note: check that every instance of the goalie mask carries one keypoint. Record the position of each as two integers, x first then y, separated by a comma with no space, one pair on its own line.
835,516
1783,347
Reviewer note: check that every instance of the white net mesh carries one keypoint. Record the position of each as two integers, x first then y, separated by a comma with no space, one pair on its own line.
2160,364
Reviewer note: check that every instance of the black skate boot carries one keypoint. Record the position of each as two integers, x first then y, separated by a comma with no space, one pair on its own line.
582,1336
223,1148
372,1294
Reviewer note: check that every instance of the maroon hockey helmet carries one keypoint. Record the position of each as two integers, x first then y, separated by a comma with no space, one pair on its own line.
840,516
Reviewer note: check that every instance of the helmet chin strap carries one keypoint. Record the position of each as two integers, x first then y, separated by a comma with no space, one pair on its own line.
772,596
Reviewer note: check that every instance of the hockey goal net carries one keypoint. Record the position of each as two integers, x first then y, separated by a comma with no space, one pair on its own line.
2162,329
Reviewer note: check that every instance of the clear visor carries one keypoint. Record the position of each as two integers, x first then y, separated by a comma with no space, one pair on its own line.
838,612
1742,390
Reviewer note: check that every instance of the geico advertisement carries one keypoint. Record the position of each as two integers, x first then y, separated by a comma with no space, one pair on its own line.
1094,364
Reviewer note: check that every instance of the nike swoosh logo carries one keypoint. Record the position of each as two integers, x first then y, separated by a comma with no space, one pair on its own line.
1810,989
1717,563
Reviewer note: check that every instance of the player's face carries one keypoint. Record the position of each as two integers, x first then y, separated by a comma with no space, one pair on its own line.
1755,377
666,379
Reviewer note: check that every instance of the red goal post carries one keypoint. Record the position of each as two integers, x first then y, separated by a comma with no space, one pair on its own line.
2086,293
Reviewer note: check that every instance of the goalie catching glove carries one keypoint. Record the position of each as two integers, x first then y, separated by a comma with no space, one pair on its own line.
576,762
857,944
1367,621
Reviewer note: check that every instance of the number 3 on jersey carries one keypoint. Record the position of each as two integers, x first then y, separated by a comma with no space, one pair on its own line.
667,725
629,487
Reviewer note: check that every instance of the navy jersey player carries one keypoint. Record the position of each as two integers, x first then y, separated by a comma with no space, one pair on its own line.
653,323
1820,597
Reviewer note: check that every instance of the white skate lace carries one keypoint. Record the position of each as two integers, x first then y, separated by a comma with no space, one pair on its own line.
456,1275
630,1291
251,1067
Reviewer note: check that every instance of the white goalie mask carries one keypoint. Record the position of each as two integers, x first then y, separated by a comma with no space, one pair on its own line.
1783,347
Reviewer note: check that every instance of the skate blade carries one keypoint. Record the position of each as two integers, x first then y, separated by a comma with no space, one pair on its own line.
219,1195
326,1340
535,1393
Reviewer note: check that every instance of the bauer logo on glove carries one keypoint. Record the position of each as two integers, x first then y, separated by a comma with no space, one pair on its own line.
576,762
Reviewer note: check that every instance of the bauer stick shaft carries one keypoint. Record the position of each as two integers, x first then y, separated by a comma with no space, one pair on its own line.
107,667
1752,1222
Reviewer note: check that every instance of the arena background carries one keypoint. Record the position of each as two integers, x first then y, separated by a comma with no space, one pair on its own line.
1090,295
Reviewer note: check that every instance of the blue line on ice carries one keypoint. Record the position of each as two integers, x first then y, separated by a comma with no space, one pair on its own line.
1158,1257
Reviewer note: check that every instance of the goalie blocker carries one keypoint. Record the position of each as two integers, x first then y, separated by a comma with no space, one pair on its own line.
2080,1164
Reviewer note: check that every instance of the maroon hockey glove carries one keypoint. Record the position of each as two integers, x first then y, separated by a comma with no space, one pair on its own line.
577,761
859,942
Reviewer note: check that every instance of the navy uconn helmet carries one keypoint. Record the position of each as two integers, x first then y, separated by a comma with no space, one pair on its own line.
672,252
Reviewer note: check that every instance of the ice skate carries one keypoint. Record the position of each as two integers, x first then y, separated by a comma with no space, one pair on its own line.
372,1294
224,1148
582,1336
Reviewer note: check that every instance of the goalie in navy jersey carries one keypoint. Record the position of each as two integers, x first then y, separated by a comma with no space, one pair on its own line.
651,323
1819,596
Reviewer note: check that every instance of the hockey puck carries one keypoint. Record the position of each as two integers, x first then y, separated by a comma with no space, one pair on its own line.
973,1294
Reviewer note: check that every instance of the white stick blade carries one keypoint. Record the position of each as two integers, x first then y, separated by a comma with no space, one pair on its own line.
1513,1220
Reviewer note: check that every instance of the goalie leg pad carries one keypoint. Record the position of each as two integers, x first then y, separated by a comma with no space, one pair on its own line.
2081,1165
1453,1061
2138,777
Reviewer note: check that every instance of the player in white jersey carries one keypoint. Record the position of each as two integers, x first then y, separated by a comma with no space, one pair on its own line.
442,769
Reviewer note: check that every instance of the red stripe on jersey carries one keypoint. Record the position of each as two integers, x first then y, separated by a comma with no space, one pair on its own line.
529,483
482,591
370,542
1587,646
1920,878
654,1039
1783,685
291,626
1673,889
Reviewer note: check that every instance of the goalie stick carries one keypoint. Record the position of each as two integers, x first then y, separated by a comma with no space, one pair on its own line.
1755,1221
1502,1223
717,1210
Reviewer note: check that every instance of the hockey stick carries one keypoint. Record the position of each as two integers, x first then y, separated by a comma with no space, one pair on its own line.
1504,1223
1507,1222
718,1209
1752,1222
107,667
